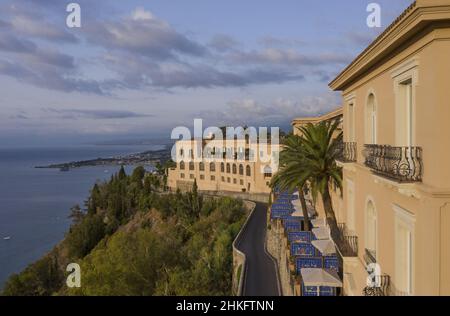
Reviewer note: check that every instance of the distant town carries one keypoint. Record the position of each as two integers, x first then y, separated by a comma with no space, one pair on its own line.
144,158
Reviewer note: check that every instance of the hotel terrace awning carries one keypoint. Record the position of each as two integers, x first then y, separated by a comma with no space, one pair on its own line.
319,277
298,208
321,233
326,246
319,222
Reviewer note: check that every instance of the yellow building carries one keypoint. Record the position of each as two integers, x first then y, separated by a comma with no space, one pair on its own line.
224,166
396,196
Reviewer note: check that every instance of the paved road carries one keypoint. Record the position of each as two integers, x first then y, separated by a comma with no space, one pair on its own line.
261,278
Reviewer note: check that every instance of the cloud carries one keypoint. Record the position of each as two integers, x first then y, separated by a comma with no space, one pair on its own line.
140,51
9,43
271,41
279,112
95,114
143,34
287,57
30,26
223,42
19,117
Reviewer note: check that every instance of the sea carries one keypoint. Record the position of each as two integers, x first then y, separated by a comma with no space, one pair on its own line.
35,203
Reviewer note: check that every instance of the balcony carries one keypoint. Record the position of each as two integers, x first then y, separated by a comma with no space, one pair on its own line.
381,286
346,152
401,164
347,243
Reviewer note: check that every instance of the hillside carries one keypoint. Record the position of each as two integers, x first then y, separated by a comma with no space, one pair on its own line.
132,240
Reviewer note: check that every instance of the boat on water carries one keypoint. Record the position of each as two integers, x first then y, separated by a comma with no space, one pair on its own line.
7,238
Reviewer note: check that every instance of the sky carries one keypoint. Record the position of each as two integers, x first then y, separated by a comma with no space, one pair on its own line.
137,69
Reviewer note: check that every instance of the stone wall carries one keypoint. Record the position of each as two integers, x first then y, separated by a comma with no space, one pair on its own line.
257,197
277,246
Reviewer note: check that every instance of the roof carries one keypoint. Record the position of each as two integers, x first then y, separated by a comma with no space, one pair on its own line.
315,119
415,18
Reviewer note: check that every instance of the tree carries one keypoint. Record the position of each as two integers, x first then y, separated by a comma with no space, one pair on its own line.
289,177
138,174
318,165
122,174
76,214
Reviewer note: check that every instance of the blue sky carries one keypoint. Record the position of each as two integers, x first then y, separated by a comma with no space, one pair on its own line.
137,69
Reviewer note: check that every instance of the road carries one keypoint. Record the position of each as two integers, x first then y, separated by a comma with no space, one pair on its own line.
261,277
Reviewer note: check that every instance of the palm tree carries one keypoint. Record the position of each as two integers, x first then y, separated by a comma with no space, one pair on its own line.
289,175
318,167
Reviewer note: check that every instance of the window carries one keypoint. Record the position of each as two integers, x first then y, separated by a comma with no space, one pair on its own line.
182,176
228,168
241,182
192,177
234,169
371,231
404,251
213,178
351,122
212,167
234,181
223,179
202,177
406,78
241,170
405,114
191,166
181,153
267,172
350,205
228,180
248,171
182,167
371,120
202,166
222,167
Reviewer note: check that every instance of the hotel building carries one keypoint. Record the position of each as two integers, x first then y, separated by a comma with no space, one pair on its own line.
395,206
235,166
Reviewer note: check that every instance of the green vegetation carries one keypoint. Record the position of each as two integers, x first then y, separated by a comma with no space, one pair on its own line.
132,240
310,160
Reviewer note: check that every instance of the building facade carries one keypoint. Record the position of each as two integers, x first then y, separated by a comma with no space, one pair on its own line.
395,205
224,166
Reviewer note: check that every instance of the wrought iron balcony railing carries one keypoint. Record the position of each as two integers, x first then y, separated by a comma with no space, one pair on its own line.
381,286
347,152
346,242
403,164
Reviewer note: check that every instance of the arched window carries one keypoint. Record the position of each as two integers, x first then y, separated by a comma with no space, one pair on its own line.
248,171
267,172
182,165
241,170
234,168
191,166
228,168
202,166
371,120
212,167
371,231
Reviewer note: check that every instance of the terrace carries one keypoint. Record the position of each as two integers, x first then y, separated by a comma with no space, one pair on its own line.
314,264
